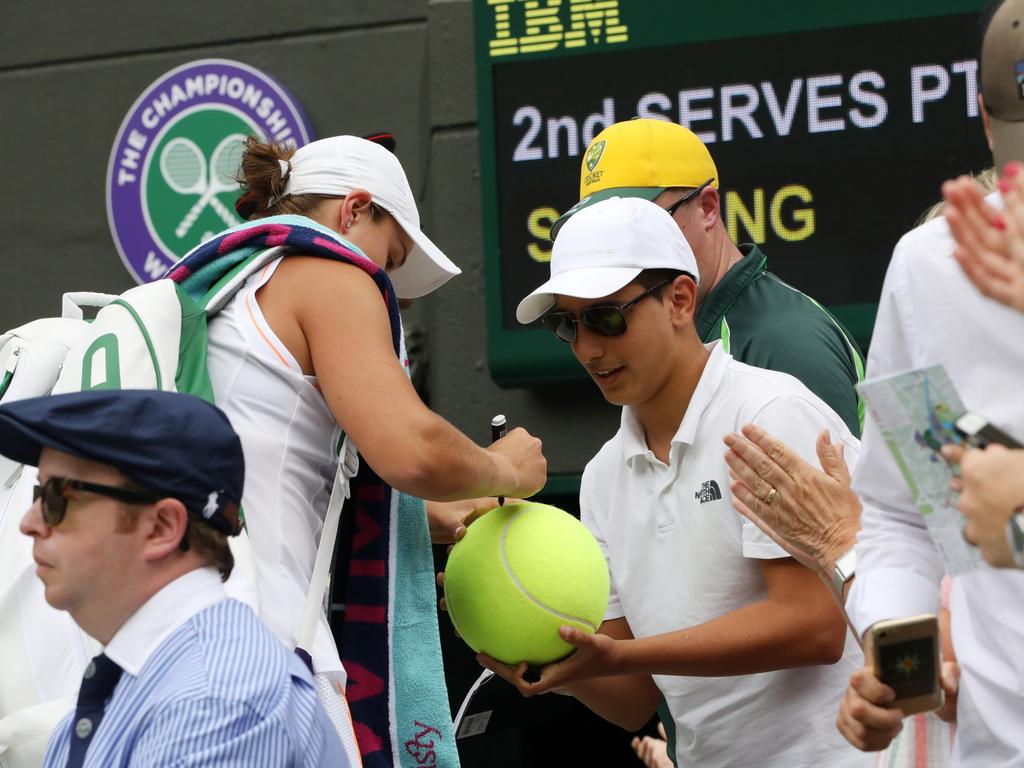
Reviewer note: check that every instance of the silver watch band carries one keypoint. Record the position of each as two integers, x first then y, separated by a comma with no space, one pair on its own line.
843,571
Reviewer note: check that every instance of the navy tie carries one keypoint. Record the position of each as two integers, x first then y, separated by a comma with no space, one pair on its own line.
97,686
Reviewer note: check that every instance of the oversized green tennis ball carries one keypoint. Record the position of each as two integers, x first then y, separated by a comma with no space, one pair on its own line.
521,572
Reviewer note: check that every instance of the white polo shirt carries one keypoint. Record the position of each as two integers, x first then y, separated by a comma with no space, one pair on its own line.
680,555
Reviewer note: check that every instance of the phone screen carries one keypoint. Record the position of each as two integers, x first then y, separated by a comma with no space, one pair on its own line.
908,667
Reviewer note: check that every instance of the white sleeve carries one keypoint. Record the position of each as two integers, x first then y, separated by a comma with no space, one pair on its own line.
797,421
589,518
898,567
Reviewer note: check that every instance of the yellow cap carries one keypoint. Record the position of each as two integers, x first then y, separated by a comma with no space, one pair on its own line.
641,158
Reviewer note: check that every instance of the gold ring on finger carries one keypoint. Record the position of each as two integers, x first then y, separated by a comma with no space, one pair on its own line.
772,493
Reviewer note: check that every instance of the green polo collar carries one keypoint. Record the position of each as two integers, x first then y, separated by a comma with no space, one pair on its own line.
721,298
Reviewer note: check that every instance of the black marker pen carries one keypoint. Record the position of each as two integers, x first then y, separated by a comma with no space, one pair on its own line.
498,425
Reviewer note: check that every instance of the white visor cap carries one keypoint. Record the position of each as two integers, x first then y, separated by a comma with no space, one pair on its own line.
604,247
341,164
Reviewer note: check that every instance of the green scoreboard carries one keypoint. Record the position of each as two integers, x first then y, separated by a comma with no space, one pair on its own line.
832,125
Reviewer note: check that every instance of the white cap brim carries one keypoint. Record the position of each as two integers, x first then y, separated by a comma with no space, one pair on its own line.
584,283
426,268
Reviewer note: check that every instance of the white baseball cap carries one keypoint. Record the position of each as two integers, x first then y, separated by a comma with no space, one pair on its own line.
340,164
604,247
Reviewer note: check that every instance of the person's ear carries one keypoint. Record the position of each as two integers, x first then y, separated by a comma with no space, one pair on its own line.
710,205
681,296
355,209
167,525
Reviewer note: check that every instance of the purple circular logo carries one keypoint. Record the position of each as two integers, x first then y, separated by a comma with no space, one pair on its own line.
172,176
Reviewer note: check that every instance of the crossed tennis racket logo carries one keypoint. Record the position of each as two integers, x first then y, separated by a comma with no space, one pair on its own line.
185,169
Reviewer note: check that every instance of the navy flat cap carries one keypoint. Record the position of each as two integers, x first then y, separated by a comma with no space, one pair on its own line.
171,444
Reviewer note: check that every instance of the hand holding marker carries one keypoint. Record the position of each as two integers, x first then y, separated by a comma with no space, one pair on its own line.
498,426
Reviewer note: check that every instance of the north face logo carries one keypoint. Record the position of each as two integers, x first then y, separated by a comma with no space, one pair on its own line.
709,491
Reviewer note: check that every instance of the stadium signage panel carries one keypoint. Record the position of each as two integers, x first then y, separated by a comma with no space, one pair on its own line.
170,178
831,136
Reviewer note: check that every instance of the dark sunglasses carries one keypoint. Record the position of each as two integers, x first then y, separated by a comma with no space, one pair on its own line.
55,493
671,210
607,320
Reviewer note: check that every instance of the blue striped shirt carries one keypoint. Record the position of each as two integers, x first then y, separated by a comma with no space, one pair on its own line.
220,689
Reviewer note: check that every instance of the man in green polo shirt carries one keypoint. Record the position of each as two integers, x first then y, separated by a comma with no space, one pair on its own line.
761,320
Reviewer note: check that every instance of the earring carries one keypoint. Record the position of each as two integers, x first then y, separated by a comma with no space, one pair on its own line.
348,225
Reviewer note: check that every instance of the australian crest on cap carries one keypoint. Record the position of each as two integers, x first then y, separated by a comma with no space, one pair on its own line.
594,154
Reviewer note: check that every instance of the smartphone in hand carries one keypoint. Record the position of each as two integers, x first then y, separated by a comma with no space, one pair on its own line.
979,433
904,654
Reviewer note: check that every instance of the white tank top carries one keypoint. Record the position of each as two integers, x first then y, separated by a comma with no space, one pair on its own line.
290,440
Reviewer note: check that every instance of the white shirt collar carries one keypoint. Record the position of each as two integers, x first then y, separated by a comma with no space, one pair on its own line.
137,639
634,444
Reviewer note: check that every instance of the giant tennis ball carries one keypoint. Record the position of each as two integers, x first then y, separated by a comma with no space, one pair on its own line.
521,572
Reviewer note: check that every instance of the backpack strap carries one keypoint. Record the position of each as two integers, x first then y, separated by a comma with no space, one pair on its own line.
72,303
348,466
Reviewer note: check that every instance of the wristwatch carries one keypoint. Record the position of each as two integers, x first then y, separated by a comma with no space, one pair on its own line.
1015,536
843,571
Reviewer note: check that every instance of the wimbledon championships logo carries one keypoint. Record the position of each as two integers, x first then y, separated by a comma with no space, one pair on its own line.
171,178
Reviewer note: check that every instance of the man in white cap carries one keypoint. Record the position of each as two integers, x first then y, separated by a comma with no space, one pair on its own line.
742,641
760,319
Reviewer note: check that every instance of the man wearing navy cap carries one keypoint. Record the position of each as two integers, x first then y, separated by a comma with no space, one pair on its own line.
138,492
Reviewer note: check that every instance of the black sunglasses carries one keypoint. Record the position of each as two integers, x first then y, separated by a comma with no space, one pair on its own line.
671,210
608,320
55,492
